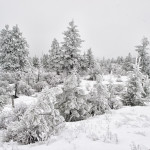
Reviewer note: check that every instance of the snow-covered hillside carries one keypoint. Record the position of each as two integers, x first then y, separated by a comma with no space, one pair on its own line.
124,129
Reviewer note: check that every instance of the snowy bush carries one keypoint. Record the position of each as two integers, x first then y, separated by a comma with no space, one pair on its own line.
119,89
4,99
133,146
116,103
7,77
2,91
39,121
19,111
52,79
39,86
5,88
7,117
95,71
99,98
25,89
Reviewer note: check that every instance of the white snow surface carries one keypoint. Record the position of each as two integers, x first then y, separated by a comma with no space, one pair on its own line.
117,130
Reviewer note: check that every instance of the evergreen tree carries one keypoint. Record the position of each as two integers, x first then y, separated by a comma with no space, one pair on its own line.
55,57
90,58
45,62
135,91
143,55
71,48
36,62
72,103
13,52
83,63
13,49
128,63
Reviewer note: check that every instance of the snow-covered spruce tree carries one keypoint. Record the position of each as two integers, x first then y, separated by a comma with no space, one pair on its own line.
146,87
128,63
99,98
83,64
55,62
38,67
72,103
135,91
96,70
36,62
90,59
45,62
39,122
13,52
143,55
71,48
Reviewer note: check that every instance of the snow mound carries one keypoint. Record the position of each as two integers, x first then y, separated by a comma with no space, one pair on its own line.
124,129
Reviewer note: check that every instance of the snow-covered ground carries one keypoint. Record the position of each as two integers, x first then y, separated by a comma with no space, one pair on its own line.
125,129
117,130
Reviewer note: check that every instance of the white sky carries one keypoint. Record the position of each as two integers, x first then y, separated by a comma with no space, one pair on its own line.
110,27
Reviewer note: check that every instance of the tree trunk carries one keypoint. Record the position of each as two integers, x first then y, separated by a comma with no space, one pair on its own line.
38,79
16,88
13,105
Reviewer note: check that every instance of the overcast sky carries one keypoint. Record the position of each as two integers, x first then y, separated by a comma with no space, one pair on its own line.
110,27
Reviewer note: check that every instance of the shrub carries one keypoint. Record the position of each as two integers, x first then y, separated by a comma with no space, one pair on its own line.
99,98
39,86
4,99
7,117
38,122
116,104
25,89
52,79
19,111
5,88
94,72
2,91
7,77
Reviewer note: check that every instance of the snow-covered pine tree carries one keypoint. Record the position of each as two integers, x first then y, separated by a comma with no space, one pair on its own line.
143,55
90,58
146,87
36,62
95,71
83,64
45,62
72,103
128,63
13,49
55,62
37,67
135,91
71,48
13,52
